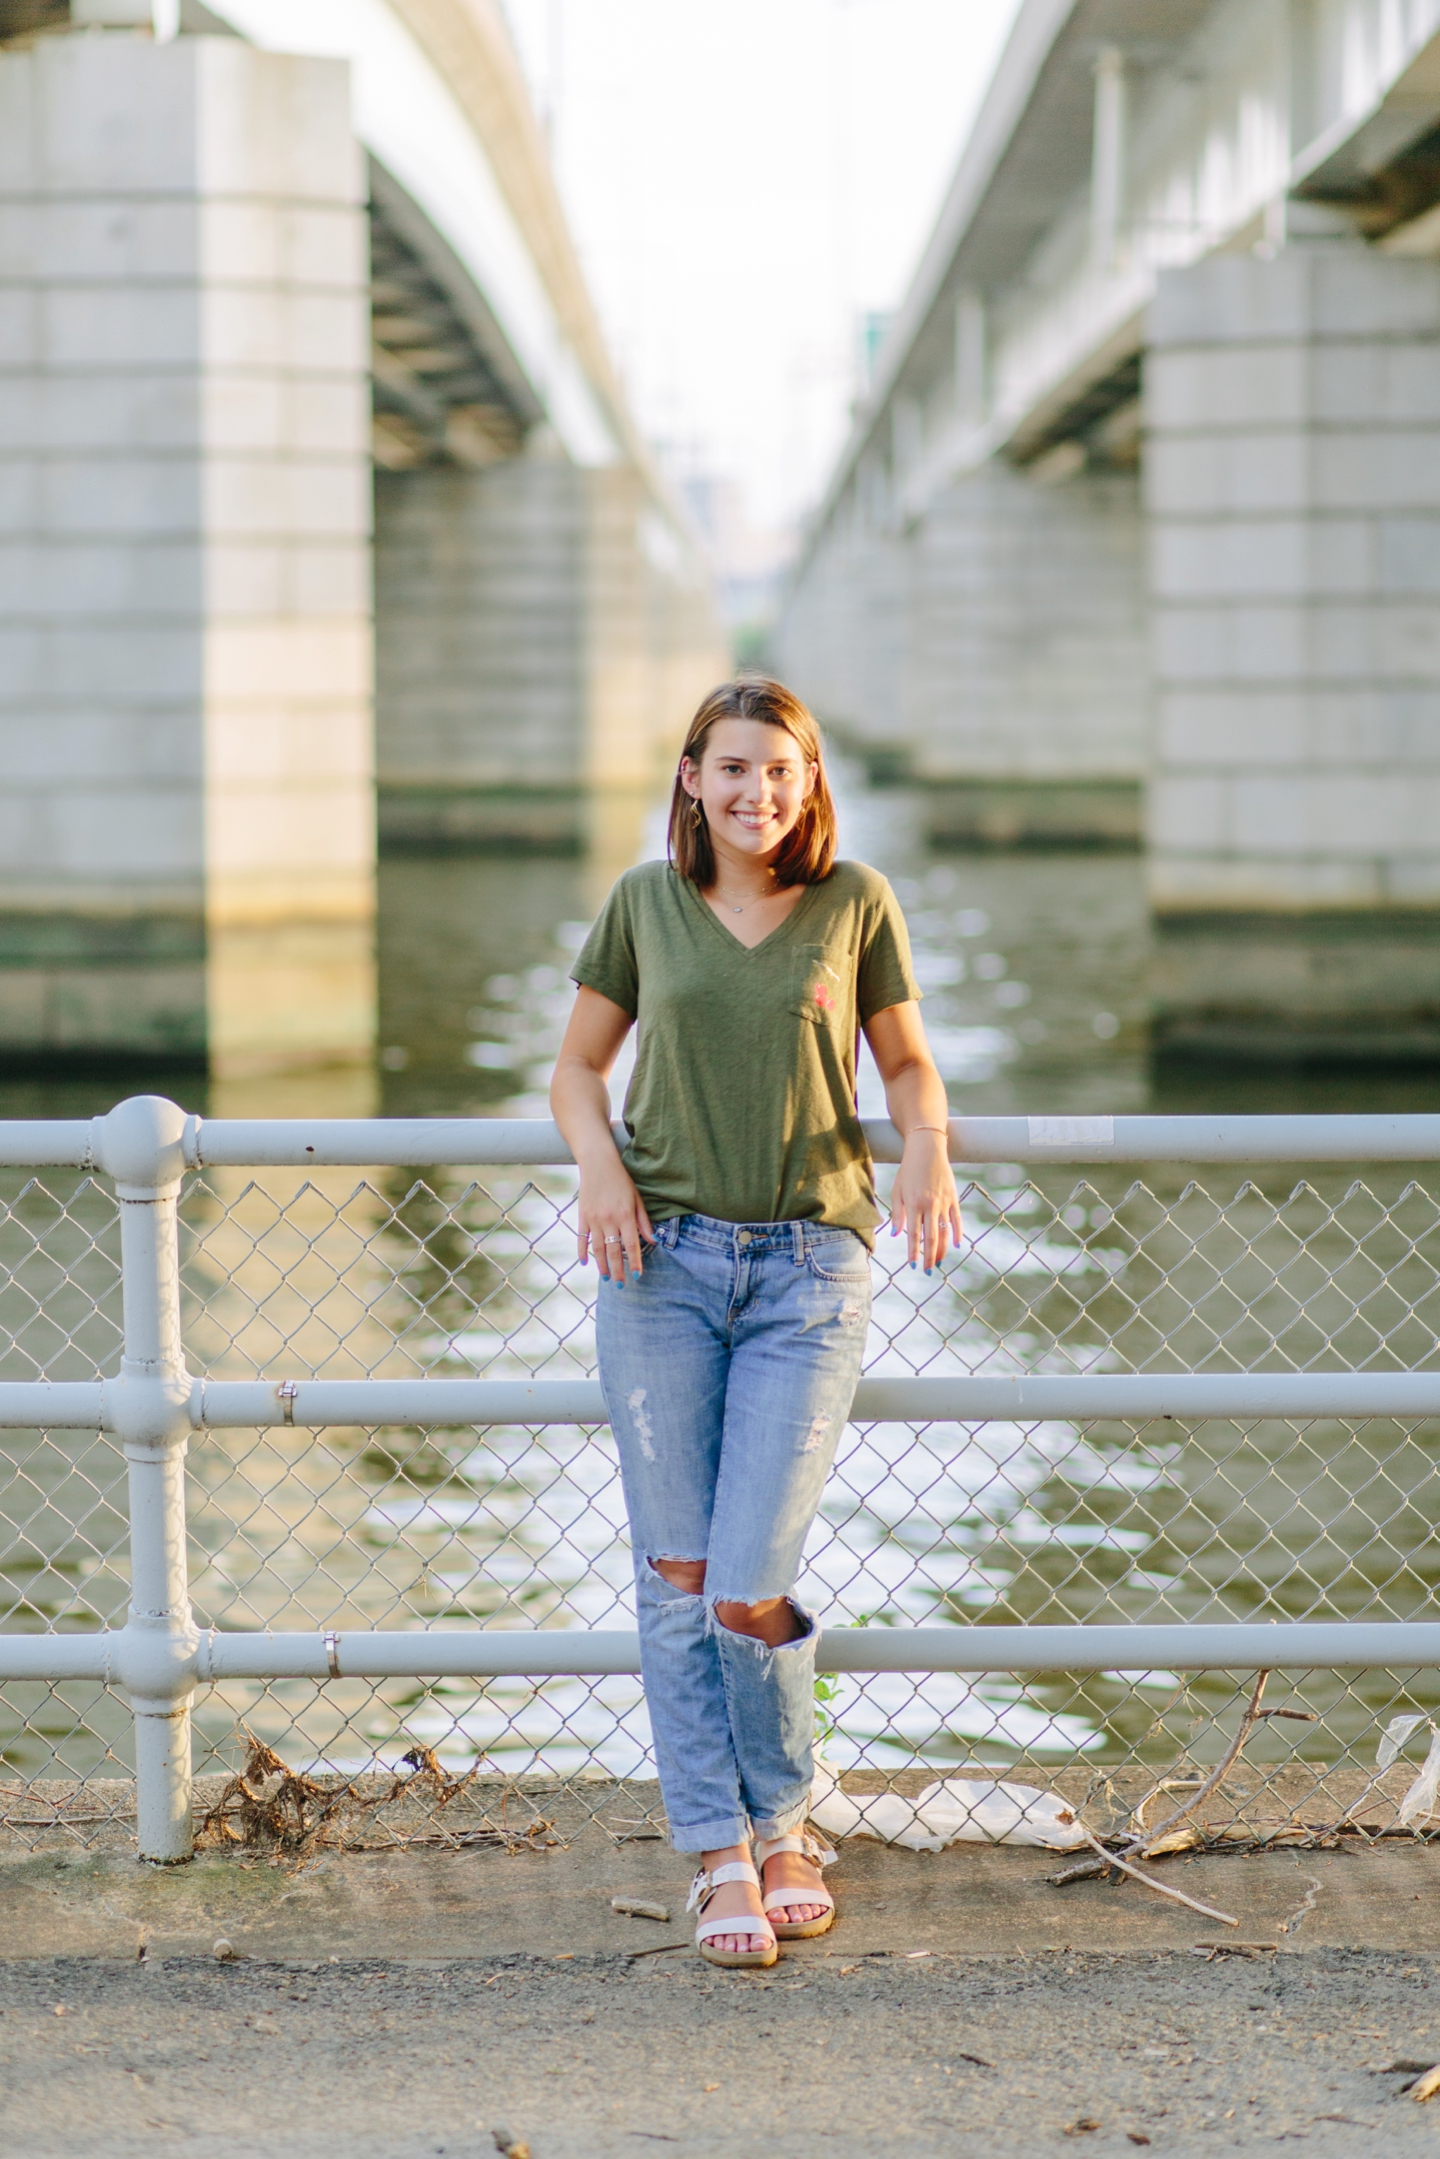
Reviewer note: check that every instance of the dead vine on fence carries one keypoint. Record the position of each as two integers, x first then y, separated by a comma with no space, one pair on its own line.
269,1807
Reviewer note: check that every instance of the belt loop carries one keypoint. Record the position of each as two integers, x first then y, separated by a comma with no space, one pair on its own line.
797,1240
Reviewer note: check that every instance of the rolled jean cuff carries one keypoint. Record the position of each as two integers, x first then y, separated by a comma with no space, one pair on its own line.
709,1836
784,1824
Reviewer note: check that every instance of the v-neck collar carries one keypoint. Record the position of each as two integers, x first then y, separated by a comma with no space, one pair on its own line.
733,943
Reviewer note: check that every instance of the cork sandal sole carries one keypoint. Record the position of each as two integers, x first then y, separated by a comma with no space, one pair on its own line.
803,1930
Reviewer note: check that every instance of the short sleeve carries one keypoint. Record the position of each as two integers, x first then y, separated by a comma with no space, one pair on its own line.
885,976
607,962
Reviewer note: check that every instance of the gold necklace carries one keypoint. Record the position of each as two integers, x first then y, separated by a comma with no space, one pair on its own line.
754,897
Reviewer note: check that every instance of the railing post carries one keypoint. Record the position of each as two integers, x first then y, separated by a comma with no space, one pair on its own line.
141,1144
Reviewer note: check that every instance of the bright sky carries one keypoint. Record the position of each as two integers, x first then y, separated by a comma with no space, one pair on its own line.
744,179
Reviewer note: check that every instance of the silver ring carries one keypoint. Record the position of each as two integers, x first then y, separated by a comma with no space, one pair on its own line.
614,1240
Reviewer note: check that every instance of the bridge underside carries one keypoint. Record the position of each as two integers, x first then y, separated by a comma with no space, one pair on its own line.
1138,539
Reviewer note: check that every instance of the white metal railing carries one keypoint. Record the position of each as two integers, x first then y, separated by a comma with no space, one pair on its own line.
153,1405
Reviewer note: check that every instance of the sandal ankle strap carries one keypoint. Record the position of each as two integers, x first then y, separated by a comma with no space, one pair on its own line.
706,1883
806,1843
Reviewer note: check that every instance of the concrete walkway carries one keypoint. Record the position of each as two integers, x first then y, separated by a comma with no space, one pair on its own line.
387,2005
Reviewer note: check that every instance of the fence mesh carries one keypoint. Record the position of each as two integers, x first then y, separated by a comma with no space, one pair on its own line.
414,1273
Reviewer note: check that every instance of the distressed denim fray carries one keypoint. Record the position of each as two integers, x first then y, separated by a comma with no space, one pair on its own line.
729,1368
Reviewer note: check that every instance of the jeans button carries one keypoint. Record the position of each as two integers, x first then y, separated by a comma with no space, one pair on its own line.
743,1237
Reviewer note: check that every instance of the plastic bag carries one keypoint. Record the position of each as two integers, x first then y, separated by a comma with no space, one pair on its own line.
956,1810
1395,1735
1419,1802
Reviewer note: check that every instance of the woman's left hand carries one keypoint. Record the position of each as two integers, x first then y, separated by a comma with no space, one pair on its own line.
923,1201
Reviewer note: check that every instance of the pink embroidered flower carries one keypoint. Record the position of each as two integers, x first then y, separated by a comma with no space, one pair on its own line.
822,996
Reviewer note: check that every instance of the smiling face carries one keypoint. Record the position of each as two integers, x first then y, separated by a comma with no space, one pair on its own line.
752,781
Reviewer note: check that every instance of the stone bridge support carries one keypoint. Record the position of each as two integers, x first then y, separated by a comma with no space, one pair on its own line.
185,733
1028,670
842,642
991,644
539,646
1293,482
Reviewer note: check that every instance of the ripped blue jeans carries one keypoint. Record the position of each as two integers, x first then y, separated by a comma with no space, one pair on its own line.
728,1368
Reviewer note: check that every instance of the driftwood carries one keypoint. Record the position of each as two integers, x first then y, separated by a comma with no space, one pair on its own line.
639,1908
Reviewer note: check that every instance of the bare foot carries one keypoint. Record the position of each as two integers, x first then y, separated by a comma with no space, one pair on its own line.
792,1870
734,1900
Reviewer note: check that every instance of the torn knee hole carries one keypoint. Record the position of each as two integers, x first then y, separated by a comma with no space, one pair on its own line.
687,1575
753,1620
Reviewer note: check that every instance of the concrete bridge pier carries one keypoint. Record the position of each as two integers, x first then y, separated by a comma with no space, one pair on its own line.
185,635
539,639
1293,482
843,638
1028,667
989,640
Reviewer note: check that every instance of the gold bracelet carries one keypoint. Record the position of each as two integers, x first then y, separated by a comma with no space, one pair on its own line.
942,1129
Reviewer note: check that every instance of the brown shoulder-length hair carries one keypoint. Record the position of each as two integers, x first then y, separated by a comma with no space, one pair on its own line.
808,853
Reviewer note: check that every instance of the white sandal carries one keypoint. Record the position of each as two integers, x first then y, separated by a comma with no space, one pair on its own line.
819,1855
702,1889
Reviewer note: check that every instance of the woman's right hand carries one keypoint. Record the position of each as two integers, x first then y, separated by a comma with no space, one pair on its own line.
613,1221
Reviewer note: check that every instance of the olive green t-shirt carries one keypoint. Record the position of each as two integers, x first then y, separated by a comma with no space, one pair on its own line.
742,1103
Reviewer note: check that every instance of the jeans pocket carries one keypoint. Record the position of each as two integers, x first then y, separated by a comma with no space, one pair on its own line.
837,1255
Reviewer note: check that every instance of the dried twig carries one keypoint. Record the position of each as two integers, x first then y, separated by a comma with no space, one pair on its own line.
1138,1846
1113,1859
1217,1775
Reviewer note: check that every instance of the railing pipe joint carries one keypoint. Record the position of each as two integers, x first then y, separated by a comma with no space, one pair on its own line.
148,1411
142,1144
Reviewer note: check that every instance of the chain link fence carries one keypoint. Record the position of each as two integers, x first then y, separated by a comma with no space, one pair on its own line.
413,1273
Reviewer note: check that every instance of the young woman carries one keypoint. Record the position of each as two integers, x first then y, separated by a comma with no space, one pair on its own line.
732,1235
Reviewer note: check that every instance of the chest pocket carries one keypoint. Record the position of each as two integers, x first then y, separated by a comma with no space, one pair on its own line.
819,984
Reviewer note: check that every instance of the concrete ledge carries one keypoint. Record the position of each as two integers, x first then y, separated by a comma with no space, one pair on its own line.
1297,989
466,820
425,1903
984,813
1258,1038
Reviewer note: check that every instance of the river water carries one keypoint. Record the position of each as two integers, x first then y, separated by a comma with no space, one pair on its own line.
1033,966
